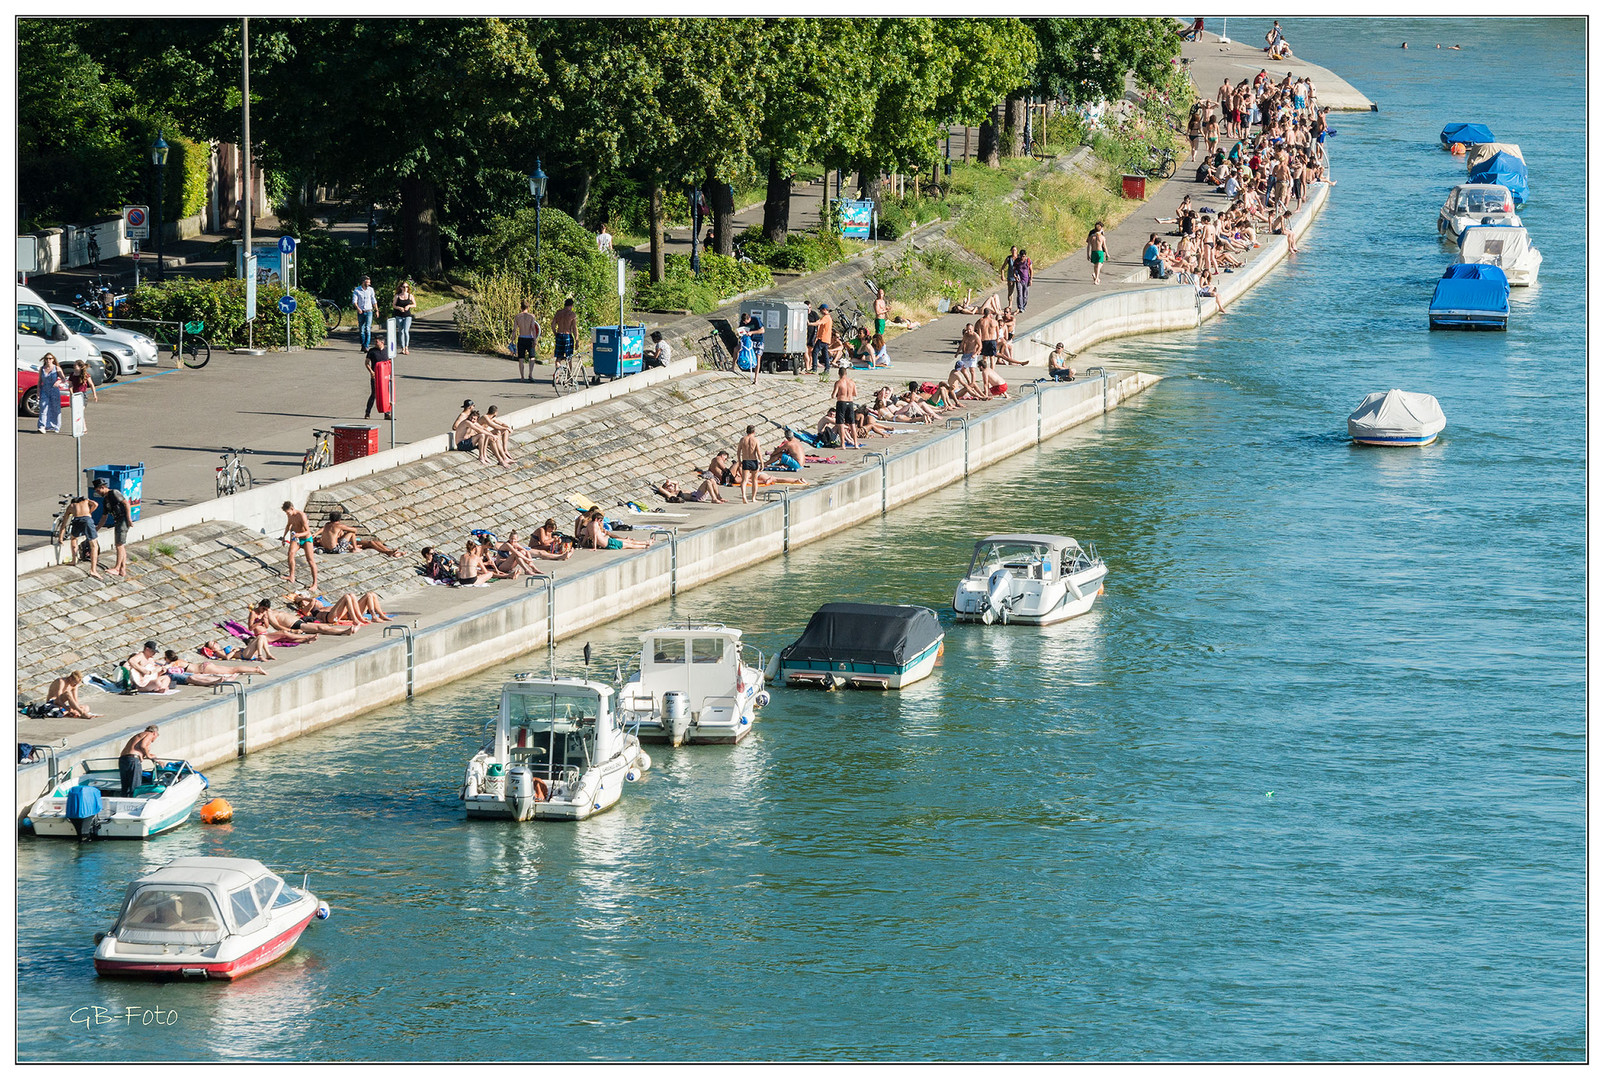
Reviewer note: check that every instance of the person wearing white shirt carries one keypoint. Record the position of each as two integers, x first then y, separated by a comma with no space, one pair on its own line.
604,241
658,354
365,302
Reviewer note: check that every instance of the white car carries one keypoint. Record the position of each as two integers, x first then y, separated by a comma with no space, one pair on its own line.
123,348
40,331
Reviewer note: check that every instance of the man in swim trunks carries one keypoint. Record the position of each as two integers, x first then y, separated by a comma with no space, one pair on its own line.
565,324
298,534
986,328
968,347
83,537
750,456
338,538
881,310
131,763
462,429
845,393
1096,252
788,455
528,330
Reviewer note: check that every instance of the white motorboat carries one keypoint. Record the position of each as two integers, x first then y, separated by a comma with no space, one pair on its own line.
93,806
1507,247
1396,418
692,686
1475,204
1029,578
559,752
205,918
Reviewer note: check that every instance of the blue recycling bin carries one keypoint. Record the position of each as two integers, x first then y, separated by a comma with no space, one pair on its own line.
617,350
127,479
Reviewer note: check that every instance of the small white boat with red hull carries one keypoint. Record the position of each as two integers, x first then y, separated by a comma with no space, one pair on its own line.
205,918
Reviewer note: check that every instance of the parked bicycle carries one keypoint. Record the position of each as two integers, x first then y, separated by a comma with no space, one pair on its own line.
333,312
569,374
62,523
232,475
321,456
1160,163
715,354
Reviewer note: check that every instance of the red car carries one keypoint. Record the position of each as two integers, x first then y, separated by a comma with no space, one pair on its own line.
28,393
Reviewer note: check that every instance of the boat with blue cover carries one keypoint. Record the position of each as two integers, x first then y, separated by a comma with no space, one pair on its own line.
1466,134
874,646
1470,296
1506,169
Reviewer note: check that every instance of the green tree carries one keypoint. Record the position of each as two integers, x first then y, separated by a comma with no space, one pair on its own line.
1080,60
71,163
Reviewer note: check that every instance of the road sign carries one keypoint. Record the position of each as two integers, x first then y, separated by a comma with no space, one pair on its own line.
286,244
286,304
76,404
137,221
250,288
28,254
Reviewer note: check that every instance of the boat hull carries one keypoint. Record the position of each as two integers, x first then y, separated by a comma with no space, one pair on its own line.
1052,602
127,818
165,966
600,791
846,674
1402,440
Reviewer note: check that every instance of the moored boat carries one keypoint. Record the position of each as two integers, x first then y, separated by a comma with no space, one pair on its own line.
873,646
1465,135
559,752
94,807
205,918
1029,578
1475,204
1470,296
1396,418
692,686
1507,247
1506,169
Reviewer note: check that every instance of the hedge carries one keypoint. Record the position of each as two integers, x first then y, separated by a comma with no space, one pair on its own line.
220,305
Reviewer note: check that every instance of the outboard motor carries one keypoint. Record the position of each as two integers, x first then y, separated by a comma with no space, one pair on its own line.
998,589
83,810
520,792
676,716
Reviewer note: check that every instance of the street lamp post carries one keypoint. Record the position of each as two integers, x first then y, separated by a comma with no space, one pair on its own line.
537,188
158,158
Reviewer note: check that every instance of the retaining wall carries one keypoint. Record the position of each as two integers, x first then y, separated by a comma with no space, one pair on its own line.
240,718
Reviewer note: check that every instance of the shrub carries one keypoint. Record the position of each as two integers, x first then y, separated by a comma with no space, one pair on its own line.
220,305
721,278
484,322
331,267
801,251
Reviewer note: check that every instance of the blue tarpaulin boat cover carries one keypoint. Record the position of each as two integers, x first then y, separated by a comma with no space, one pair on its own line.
83,801
1472,287
1466,133
1506,169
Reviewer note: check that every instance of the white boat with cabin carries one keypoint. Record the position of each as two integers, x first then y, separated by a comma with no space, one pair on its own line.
1029,578
94,807
1507,247
205,918
559,751
1475,204
693,685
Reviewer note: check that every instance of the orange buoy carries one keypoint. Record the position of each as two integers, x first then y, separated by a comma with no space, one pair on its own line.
1457,149
217,811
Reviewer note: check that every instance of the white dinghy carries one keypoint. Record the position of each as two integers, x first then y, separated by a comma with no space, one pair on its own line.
1396,418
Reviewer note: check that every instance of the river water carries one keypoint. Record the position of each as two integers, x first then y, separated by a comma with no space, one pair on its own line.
1307,784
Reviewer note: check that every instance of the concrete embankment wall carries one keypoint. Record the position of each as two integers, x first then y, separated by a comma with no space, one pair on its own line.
252,717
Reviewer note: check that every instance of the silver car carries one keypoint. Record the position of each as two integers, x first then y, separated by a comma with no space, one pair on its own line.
123,350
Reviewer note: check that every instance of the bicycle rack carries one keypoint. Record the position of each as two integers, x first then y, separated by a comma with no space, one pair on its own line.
241,732
408,632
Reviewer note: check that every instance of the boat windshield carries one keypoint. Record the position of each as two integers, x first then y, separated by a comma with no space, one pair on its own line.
166,914
1482,202
550,730
992,554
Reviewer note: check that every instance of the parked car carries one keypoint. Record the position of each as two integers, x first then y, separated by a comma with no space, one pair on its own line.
40,330
28,392
124,349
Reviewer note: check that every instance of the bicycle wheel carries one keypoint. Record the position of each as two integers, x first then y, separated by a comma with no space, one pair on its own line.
242,479
332,313
1166,168
562,378
309,461
222,483
197,352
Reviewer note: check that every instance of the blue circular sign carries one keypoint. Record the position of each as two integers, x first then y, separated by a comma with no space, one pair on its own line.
286,244
286,304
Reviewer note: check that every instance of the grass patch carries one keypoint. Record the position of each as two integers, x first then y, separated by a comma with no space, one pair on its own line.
162,548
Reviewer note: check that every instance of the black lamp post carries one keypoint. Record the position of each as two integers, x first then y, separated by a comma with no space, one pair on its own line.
537,188
158,158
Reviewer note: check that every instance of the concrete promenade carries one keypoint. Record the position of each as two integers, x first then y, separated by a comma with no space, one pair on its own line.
655,426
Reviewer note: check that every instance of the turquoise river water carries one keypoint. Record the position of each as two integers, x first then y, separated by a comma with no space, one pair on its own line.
1307,784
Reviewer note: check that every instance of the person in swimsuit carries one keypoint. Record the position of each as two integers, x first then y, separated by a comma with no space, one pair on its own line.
471,570
145,671
750,456
212,667
348,612
546,544
298,534
63,694
264,621
707,491
1096,252
183,673
79,523
565,324
598,536
338,538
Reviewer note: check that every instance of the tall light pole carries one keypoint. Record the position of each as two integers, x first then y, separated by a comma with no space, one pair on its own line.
158,158
537,188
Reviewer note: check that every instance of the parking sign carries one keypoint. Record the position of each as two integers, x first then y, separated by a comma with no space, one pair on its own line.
136,222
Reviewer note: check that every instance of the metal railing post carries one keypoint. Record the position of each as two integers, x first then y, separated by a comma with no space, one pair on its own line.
878,456
673,557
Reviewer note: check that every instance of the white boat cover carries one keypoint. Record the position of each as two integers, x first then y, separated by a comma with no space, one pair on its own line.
1504,246
1480,152
1396,414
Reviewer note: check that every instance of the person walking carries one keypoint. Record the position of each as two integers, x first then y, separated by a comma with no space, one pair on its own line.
401,307
1010,273
50,395
1024,270
80,383
375,354
528,331
881,310
1096,252
365,302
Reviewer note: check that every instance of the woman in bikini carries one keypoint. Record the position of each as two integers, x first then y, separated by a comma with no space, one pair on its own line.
347,613
546,544
263,620
212,667
598,537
